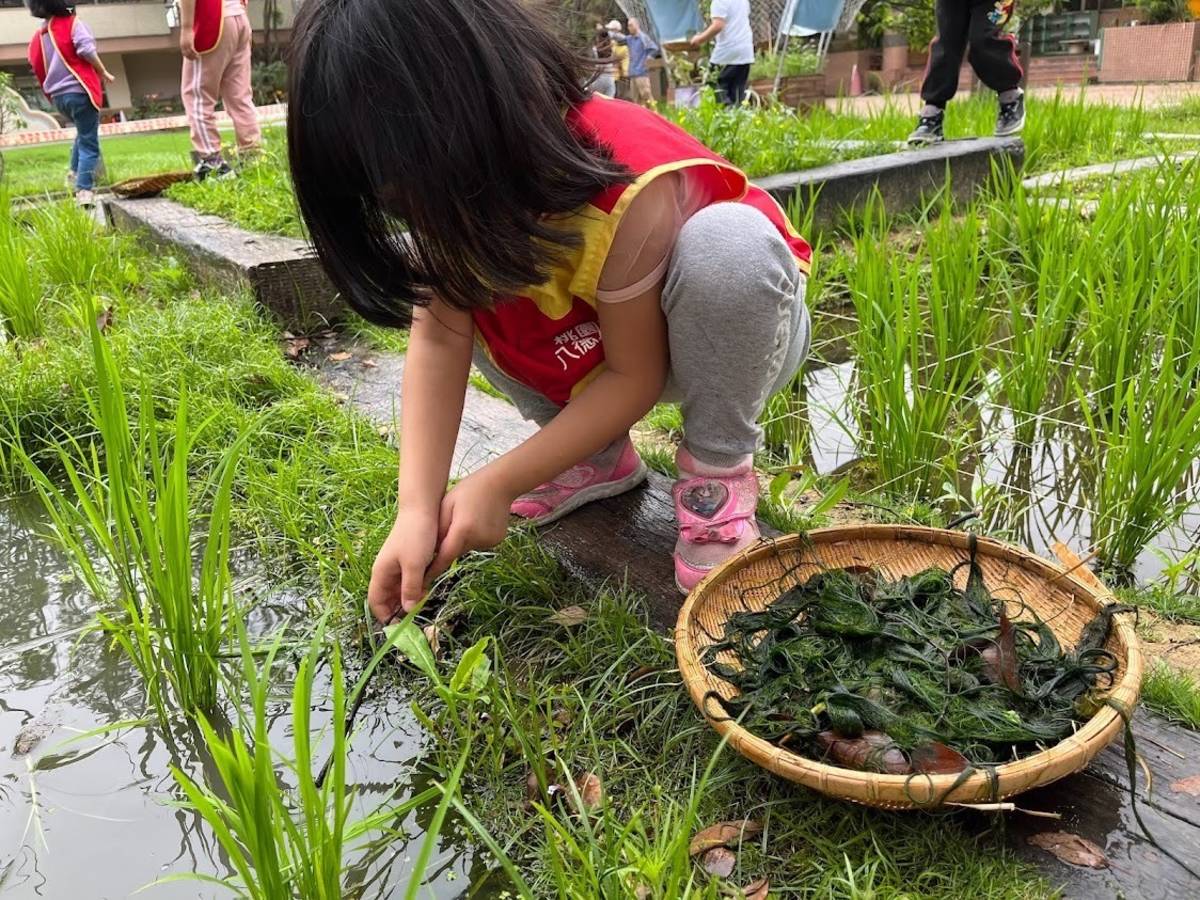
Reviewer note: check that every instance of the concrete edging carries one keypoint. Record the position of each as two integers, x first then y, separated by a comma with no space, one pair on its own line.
283,273
903,179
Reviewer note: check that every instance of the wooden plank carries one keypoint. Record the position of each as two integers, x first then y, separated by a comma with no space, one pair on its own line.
903,180
1095,805
282,272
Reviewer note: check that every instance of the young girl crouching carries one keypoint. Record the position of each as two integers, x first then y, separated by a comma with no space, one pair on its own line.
590,257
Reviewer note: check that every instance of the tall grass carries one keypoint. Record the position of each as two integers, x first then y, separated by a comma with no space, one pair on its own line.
1145,440
21,289
65,245
130,518
906,403
285,843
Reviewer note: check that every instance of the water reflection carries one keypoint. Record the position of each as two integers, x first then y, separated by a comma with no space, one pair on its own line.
105,822
1032,494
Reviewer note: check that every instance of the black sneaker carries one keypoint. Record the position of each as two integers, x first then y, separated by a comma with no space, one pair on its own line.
1011,117
213,168
928,130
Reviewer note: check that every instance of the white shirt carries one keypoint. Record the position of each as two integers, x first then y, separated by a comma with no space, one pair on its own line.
735,42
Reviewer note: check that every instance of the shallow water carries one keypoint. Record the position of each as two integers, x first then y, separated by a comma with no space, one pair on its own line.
94,818
1034,497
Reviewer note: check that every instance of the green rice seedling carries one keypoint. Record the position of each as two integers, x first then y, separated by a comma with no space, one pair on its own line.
906,410
960,316
1172,693
129,518
284,843
1143,444
1041,324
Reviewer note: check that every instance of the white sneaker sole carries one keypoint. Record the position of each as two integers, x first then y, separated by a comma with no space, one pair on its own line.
595,492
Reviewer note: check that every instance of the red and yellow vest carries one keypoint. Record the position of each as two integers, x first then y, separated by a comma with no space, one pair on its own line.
548,338
59,29
208,22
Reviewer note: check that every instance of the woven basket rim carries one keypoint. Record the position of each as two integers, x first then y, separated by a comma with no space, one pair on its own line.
897,791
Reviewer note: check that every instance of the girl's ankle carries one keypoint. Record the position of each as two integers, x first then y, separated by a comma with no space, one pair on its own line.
712,467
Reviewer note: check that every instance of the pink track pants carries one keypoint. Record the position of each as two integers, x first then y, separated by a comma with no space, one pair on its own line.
221,74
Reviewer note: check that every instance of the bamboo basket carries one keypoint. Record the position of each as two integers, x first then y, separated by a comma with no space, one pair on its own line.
149,185
1065,598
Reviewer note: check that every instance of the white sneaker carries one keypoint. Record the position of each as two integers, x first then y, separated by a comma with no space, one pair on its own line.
85,199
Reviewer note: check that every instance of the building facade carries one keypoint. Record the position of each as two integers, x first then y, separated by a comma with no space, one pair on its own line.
138,45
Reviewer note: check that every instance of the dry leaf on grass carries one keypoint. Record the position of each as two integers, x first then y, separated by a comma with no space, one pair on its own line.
723,834
719,861
432,635
570,617
1070,848
1190,785
370,364
341,356
591,790
294,347
104,320
757,890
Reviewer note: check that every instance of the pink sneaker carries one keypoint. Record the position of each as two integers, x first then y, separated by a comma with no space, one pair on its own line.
614,470
715,508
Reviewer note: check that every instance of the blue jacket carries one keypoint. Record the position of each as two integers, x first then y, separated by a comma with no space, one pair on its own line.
641,48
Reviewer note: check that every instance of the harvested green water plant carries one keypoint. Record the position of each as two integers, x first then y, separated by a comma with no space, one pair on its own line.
912,676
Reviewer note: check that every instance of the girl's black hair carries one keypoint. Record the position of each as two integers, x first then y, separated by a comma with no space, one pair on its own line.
448,116
49,9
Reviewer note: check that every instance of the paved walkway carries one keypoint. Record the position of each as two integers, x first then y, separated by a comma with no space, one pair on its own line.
1150,95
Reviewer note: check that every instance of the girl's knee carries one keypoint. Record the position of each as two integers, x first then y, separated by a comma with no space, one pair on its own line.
728,254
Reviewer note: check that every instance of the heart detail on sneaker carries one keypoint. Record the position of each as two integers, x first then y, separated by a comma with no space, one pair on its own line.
705,499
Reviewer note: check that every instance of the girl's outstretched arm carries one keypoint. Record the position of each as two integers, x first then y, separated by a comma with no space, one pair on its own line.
475,512
435,381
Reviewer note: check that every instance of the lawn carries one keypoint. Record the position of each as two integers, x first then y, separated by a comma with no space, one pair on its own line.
42,169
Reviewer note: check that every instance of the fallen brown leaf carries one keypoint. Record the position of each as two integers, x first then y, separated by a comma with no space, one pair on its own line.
591,790
433,636
1070,848
532,788
1189,785
723,834
294,347
719,861
641,892
370,364
642,672
341,356
757,890
563,716
569,617
104,320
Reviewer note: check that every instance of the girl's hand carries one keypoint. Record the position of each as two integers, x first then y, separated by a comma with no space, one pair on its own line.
400,574
187,43
474,517
108,76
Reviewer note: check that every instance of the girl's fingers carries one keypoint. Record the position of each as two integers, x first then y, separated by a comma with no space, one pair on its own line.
451,547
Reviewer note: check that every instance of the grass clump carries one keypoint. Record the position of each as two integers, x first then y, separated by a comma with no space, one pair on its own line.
604,697
260,197
129,521
1173,694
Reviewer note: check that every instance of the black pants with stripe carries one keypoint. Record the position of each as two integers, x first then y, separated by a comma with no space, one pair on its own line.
978,24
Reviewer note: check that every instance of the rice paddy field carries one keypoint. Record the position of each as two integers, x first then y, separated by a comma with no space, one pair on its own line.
186,536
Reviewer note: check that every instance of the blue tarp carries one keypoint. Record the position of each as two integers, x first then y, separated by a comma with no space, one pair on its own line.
817,15
674,20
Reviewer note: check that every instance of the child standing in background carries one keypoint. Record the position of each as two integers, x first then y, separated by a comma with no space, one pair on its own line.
588,255
69,69
215,39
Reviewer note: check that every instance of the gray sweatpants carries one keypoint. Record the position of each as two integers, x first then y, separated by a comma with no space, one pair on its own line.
737,328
